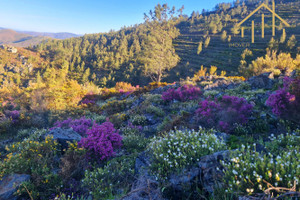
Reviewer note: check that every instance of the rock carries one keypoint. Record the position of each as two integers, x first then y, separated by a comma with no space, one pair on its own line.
206,175
9,184
211,170
12,49
145,187
261,81
64,135
220,83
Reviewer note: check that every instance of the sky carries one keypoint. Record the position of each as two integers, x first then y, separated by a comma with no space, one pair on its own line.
85,16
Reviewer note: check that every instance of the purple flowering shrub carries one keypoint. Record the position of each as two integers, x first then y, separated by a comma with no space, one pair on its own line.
79,125
285,102
184,93
14,116
89,99
102,140
224,113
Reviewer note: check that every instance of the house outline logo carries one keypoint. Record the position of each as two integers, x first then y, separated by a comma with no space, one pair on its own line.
274,14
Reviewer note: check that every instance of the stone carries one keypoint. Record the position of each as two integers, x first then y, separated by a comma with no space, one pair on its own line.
64,135
145,187
9,184
261,82
206,175
211,170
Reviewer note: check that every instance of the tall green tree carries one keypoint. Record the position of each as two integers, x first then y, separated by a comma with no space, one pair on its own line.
199,47
206,42
224,36
158,54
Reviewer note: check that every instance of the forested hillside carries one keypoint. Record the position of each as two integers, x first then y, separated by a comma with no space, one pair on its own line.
110,57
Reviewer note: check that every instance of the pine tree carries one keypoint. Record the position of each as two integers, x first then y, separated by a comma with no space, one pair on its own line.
283,37
206,42
224,36
199,47
291,43
229,38
85,76
158,52
235,29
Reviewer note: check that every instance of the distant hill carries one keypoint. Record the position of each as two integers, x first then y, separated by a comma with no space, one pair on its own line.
62,35
14,38
27,38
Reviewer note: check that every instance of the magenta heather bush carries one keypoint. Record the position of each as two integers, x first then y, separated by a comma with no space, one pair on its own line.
79,125
224,113
184,93
102,140
89,99
13,115
285,102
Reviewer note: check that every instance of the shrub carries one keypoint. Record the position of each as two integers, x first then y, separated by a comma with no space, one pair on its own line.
154,85
184,93
105,182
285,102
282,63
249,172
115,106
181,148
224,113
138,120
101,141
36,159
14,116
126,88
134,140
89,99
73,162
283,142
155,110
79,125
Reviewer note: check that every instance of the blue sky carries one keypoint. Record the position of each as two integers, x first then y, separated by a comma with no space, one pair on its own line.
85,16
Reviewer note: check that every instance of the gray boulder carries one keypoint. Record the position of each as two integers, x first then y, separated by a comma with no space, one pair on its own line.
9,184
264,81
145,187
64,135
206,175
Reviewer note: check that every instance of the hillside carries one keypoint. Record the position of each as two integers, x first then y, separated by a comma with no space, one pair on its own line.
14,38
219,53
118,56
62,35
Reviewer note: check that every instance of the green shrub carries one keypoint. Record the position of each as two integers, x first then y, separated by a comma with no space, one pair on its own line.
155,110
211,93
133,140
179,149
32,134
111,180
138,120
36,159
283,142
250,172
153,98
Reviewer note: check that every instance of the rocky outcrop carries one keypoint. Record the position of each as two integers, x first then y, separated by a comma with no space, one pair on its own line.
9,184
9,48
64,135
263,81
206,175
145,187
